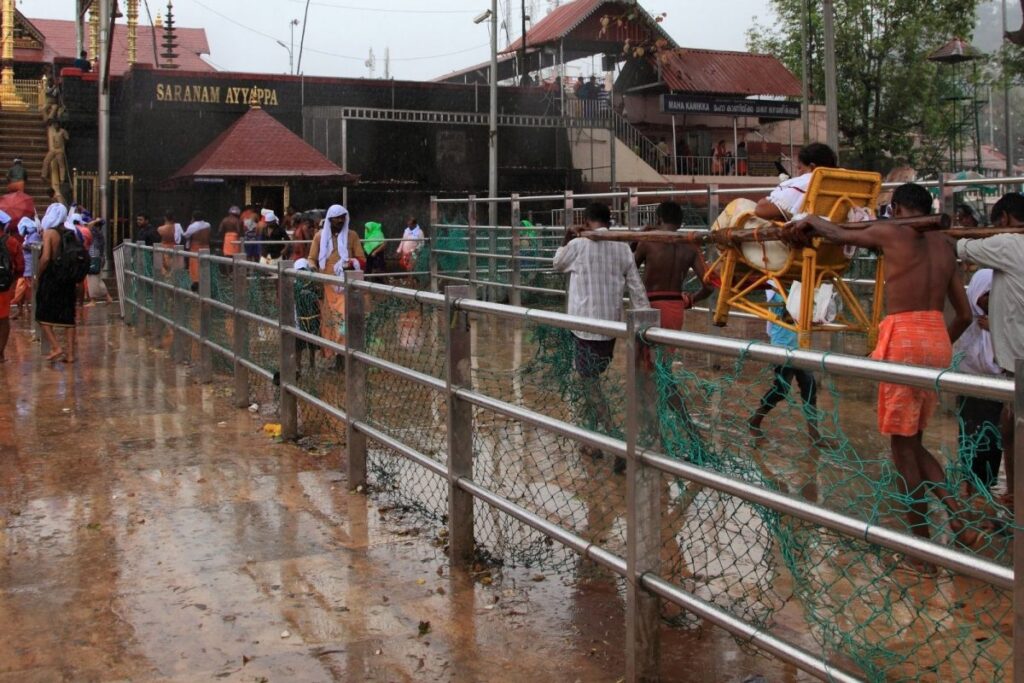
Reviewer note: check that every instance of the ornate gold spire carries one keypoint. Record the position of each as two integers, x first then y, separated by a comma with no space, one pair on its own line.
94,34
133,24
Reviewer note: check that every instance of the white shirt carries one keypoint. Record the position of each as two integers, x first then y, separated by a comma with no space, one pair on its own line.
411,240
599,271
790,194
1005,255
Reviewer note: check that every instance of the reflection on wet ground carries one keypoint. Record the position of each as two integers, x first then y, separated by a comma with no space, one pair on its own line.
151,531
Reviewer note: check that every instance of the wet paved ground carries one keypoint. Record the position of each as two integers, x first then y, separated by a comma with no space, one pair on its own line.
150,531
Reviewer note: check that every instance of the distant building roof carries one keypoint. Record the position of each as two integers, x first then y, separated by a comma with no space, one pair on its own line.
59,43
722,72
580,21
259,146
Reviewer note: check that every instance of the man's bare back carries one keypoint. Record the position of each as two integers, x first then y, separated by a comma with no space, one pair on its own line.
667,265
920,268
166,232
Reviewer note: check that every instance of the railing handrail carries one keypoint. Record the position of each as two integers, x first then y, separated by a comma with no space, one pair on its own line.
835,364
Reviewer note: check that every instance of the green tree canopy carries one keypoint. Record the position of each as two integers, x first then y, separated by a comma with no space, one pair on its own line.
891,98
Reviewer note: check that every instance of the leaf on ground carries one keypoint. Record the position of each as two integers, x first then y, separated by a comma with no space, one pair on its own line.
424,628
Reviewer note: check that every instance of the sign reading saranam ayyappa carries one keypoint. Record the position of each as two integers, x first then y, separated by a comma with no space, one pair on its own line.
729,106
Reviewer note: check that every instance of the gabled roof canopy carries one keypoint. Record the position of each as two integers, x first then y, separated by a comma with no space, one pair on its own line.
259,146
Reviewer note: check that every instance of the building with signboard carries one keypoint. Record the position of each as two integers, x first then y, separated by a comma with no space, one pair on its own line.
648,121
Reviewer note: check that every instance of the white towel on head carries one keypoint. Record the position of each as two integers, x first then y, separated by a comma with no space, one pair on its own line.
976,343
197,226
55,215
27,226
327,245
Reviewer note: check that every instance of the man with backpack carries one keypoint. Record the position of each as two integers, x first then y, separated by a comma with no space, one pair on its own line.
12,266
63,264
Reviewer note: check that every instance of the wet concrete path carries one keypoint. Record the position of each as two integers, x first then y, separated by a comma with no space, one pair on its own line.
150,531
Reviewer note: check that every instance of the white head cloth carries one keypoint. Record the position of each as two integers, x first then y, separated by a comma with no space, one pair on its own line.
5,218
55,215
302,264
327,245
27,226
976,343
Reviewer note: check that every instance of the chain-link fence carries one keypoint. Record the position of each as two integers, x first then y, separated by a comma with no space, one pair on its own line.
742,483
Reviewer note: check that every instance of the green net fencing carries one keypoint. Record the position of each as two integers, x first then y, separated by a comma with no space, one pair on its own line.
808,435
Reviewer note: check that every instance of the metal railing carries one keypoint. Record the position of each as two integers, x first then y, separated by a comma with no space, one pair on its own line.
639,566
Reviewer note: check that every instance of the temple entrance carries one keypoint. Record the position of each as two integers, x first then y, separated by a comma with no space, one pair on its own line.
268,196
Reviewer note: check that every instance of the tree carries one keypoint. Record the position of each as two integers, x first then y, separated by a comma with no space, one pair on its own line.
891,98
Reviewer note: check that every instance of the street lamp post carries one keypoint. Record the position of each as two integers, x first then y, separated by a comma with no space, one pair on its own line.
290,48
831,91
492,145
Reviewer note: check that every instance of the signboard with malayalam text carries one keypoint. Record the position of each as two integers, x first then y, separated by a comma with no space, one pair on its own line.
712,105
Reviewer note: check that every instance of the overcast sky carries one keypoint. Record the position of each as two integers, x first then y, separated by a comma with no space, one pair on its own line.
426,38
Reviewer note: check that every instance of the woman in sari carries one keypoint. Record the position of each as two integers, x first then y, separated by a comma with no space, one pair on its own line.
335,249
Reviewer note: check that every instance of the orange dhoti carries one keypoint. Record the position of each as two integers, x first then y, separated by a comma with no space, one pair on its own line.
231,244
332,316
912,338
673,310
193,263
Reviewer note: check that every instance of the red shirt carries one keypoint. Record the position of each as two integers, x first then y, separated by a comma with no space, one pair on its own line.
17,258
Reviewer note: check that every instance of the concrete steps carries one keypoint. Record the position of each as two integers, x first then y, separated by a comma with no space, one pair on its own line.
23,136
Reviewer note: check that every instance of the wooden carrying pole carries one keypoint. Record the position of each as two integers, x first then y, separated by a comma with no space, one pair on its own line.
936,222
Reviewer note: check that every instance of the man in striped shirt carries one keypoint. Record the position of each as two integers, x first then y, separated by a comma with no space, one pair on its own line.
599,272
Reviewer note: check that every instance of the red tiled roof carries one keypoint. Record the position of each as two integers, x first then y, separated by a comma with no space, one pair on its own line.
60,43
721,72
565,19
259,146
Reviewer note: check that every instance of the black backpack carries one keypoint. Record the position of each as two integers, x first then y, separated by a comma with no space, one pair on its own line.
72,263
6,265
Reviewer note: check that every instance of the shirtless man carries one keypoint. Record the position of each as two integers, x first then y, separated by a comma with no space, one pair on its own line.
666,267
169,233
921,273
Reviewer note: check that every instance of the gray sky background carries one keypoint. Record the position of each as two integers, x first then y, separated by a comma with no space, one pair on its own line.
426,38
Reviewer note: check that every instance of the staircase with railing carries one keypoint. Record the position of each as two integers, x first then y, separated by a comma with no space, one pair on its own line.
23,136
597,112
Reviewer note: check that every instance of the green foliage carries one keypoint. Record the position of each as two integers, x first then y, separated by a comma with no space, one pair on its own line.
890,96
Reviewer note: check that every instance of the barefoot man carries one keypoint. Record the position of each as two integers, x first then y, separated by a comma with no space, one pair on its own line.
921,273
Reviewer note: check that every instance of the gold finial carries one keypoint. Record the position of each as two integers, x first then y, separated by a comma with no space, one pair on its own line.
159,22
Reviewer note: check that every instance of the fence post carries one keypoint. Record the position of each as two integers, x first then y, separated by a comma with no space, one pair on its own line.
515,296
286,361
1017,488
178,305
567,216
355,379
131,312
139,268
713,209
643,509
633,210
240,341
460,427
205,317
433,242
945,196
471,240
157,294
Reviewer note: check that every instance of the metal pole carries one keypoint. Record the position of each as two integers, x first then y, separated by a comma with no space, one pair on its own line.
515,295
287,352
433,242
643,510
1007,120
103,165
344,158
675,147
177,306
205,317
492,166
831,94
805,47
736,147
523,71
471,220
355,380
633,210
460,427
240,340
